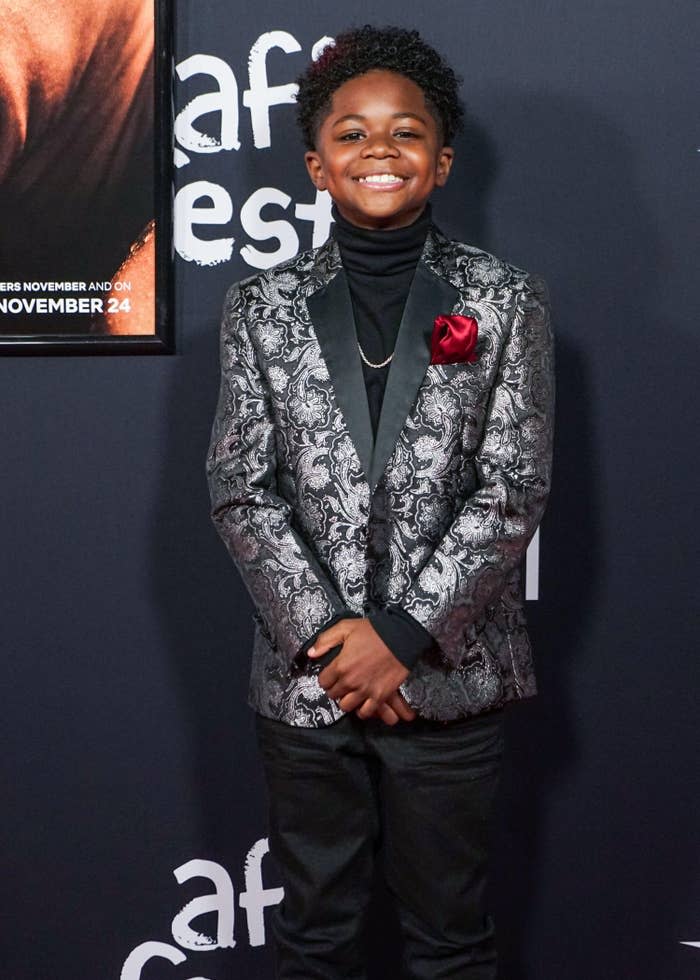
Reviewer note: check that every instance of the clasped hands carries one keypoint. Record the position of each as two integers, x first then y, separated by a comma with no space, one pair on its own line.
365,675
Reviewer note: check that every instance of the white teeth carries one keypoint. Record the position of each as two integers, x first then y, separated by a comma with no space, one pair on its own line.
380,179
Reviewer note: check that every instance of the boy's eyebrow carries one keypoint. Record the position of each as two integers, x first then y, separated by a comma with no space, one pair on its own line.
396,115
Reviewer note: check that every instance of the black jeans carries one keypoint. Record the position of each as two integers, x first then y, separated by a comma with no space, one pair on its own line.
419,795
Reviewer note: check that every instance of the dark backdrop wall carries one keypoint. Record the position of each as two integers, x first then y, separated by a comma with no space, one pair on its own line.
131,784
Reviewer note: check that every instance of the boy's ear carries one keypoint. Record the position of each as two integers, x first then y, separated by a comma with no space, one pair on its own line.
444,165
315,169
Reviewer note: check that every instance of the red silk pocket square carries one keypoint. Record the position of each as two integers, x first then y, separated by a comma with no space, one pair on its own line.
454,339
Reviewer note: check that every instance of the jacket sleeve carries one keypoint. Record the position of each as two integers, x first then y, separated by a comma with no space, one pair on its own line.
291,592
491,530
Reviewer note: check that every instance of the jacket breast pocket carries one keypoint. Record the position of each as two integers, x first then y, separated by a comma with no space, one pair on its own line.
458,394
460,373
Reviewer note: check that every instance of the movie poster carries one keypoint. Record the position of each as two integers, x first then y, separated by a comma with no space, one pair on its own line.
81,189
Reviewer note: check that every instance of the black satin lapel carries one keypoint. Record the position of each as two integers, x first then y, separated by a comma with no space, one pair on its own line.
429,295
331,313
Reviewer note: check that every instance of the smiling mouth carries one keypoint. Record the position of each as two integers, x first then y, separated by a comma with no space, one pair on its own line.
381,180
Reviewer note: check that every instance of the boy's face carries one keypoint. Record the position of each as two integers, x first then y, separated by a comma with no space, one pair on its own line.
378,151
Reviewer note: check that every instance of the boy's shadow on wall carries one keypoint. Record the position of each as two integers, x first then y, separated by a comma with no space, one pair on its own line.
205,608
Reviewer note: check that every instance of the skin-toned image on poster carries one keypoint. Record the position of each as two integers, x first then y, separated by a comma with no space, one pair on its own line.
84,176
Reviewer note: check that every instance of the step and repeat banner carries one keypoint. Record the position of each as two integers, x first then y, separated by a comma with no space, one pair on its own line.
135,843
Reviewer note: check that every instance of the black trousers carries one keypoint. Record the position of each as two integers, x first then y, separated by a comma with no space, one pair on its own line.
418,797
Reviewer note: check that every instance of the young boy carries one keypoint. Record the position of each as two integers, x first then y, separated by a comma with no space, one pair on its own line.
379,462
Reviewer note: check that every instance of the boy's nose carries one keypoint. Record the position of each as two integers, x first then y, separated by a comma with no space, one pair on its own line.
380,146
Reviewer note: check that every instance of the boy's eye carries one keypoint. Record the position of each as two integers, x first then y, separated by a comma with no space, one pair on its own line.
357,134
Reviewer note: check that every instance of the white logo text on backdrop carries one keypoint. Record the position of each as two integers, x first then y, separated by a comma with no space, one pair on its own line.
203,202
222,901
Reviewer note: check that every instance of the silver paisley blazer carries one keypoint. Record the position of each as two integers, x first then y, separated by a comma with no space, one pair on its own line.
435,516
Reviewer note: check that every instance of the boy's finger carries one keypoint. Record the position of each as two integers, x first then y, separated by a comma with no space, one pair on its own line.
387,713
368,708
326,659
329,679
401,706
326,639
348,702
336,690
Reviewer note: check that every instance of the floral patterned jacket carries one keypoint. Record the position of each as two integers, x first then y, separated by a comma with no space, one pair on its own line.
435,515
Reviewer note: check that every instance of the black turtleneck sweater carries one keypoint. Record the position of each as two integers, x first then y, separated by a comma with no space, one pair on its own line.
379,266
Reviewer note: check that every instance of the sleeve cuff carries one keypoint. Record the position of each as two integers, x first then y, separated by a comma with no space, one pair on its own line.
407,639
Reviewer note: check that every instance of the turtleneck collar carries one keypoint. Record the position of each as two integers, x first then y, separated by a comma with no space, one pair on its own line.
380,252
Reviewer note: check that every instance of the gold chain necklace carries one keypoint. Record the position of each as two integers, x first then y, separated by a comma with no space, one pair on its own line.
369,363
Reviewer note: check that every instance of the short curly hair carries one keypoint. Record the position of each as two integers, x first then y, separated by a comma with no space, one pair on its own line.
363,49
